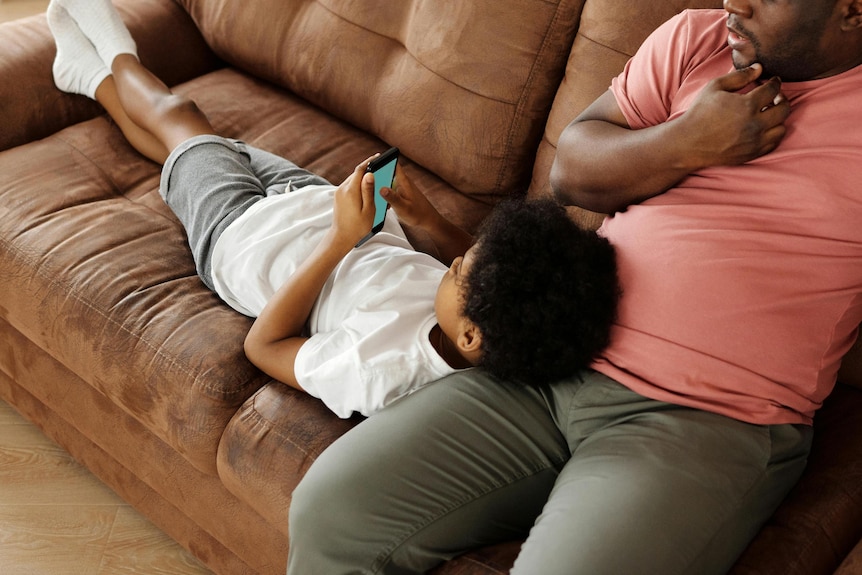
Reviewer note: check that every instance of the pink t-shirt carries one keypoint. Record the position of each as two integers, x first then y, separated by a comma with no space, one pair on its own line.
742,284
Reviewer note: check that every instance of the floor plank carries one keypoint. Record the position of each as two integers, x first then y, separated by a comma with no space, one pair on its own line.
14,9
57,518
43,540
135,547
36,471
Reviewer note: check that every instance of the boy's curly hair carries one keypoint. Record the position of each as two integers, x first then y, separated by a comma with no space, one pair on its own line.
542,291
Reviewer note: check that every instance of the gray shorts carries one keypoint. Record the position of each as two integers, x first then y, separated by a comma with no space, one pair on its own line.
209,181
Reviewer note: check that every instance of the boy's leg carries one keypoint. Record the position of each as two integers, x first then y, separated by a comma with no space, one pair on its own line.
78,69
153,118
149,103
463,462
140,139
277,174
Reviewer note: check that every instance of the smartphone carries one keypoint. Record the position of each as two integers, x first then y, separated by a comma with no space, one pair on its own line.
383,168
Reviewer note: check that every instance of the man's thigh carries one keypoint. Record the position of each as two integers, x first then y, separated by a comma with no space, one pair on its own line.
661,490
464,462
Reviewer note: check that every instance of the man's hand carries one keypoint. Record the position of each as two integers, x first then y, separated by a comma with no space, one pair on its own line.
724,127
604,166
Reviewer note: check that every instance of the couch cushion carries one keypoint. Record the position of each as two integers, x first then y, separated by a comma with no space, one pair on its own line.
418,74
277,433
276,120
95,270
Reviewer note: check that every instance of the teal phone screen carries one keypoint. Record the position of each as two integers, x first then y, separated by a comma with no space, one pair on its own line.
382,179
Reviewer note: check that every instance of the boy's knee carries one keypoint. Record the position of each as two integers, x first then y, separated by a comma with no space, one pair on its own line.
177,106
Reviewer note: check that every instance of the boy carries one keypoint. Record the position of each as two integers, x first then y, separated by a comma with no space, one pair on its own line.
531,300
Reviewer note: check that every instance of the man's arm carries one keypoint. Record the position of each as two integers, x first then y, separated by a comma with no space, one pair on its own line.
414,209
275,337
604,166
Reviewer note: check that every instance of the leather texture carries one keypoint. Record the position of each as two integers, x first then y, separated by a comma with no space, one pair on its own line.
109,341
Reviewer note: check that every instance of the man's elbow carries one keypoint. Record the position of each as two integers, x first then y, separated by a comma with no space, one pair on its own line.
570,190
564,185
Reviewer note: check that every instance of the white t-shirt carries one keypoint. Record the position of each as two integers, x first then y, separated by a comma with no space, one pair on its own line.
370,326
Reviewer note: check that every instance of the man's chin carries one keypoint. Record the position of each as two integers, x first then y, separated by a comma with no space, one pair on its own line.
740,61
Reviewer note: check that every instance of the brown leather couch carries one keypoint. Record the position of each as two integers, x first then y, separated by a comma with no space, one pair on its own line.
110,343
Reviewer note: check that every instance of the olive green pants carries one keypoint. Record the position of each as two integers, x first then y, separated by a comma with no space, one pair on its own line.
599,479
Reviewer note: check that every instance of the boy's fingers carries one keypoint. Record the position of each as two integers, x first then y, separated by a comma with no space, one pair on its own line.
364,164
367,190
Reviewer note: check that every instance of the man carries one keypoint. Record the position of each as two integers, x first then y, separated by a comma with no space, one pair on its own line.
729,154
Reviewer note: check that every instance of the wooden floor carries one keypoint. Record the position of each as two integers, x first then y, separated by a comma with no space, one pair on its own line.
12,9
56,518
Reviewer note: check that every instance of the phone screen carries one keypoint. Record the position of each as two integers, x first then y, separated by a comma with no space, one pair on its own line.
383,178
383,168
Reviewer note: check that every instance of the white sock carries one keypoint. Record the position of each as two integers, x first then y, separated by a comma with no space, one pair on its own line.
77,68
101,24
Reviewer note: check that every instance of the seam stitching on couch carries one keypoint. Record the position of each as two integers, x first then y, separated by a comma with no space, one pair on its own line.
524,97
602,44
265,422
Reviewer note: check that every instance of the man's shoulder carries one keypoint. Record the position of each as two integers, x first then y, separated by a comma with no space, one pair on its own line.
702,25
702,16
690,35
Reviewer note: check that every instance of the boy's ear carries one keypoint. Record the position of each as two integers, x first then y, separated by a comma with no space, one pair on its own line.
470,342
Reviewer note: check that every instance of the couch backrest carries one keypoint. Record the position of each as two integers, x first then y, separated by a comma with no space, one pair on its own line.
610,32
462,87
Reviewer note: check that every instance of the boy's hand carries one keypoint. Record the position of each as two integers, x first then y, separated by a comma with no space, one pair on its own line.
414,210
412,207
353,212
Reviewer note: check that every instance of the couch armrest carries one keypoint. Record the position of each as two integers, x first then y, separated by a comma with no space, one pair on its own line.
32,107
168,43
